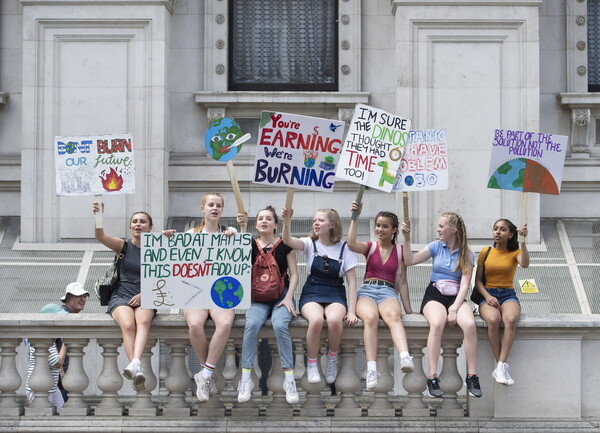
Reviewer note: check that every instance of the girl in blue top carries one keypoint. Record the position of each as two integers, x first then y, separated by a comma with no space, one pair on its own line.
444,300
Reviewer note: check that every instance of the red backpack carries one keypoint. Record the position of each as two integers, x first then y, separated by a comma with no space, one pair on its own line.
267,281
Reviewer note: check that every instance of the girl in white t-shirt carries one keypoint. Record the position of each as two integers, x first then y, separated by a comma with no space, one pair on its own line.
328,260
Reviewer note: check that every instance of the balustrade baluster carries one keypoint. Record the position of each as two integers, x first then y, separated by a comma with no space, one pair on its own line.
416,382
143,405
450,380
177,380
10,381
381,405
314,405
348,380
278,406
75,380
41,380
110,380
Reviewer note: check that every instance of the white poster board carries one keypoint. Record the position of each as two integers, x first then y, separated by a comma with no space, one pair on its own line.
373,148
94,164
424,164
196,270
296,151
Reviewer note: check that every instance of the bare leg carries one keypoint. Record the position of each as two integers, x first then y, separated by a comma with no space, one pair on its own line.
143,319
366,310
196,318
125,318
510,315
335,313
223,320
314,313
492,317
391,314
466,321
436,315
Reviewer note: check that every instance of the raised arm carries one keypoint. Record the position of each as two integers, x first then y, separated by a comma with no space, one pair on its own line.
115,244
411,258
357,247
286,233
523,257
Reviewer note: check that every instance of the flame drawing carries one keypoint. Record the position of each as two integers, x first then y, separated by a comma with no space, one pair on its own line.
112,181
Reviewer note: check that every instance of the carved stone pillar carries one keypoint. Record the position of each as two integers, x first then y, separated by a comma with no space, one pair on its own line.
314,406
381,405
416,382
580,132
10,381
75,380
177,381
143,405
450,380
41,380
110,380
252,406
278,406
348,381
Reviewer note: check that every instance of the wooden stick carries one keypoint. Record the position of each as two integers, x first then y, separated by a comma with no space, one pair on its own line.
522,214
236,188
289,200
405,205
359,196
98,214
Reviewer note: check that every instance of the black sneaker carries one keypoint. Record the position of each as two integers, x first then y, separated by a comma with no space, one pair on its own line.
433,387
472,384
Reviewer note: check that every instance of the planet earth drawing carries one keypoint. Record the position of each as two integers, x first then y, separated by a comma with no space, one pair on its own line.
227,292
522,174
221,137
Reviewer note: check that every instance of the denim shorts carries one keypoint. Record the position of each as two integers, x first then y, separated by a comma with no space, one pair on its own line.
502,295
376,292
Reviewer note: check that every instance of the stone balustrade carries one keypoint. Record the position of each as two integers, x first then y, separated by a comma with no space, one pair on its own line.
97,391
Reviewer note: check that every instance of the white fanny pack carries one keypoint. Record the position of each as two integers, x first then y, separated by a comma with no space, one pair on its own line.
447,287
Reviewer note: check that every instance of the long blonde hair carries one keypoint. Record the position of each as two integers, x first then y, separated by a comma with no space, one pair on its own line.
464,254
335,235
200,226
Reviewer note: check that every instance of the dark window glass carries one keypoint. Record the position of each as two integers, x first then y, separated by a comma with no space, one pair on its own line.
283,45
593,22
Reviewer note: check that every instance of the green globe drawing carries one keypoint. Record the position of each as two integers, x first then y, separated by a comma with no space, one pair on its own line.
227,292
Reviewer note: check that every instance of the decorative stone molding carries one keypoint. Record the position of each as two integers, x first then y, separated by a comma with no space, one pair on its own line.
213,114
581,45
581,116
345,69
220,44
220,19
345,114
345,19
220,69
580,20
581,70
345,44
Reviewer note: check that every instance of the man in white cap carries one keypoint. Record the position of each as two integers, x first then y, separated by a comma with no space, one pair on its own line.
73,301
75,298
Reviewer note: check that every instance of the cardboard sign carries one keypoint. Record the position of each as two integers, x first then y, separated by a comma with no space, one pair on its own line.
196,270
527,161
223,139
424,165
94,164
297,151
373,148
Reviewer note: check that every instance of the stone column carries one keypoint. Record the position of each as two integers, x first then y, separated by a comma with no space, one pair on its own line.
110,380
177,380
278,406
41,380
348,381
10,381
381,405
416,382
314,406
143,406
75,380
450,380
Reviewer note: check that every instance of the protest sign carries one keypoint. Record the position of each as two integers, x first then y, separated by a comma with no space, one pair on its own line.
373,148
94,164
196,270
297,151
527,161
424,164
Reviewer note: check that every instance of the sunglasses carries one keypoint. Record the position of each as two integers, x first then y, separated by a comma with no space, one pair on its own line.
325,263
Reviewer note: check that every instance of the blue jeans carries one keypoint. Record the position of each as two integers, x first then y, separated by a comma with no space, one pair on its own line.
280,319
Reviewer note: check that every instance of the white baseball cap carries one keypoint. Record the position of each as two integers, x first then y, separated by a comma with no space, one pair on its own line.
75,289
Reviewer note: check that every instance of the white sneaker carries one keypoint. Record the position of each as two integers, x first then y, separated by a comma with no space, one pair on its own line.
131,370
372,379
331,371
509,380
139,381
312,372
291,393
202,387
499,375
406,364
245,388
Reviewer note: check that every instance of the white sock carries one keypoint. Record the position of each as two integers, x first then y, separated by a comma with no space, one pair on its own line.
289,375
372,365
403,354
246,374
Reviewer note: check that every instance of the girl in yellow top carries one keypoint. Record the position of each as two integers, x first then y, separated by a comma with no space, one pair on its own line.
500,302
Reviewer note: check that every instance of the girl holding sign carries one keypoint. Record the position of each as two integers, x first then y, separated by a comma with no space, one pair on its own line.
324,295
385,274
444,300
211,205
281,308
124,305
496,269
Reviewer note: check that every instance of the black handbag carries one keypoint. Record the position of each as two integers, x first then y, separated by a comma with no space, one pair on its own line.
476,297
104,286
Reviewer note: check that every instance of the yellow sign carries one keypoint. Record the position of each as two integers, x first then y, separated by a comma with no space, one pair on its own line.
528,286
